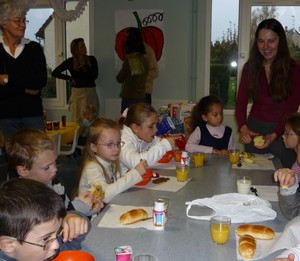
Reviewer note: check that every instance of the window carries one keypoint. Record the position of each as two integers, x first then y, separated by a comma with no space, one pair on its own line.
224,51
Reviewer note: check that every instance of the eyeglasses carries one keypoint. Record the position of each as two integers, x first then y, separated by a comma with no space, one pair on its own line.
48,243
19,21
111,145
288,133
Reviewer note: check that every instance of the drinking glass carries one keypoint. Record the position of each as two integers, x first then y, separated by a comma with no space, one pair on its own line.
243,184
220,229
234,156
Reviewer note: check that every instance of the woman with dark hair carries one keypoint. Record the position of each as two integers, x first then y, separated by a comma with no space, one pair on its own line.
134,71
84,71
270,80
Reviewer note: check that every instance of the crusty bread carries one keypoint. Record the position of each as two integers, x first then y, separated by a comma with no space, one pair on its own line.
133,215
247,246
259,141
257,231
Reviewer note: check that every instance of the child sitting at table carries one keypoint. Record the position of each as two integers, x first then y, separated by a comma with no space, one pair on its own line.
291,137
209,134
89,115
32,154
33,222
139,135
101,161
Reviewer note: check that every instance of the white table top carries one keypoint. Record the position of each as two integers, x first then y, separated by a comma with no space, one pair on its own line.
183,238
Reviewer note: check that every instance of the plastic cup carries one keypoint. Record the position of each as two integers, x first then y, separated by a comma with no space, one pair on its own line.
182,172
123,253
49,125
234,156
243,184
56,125
145,257
198,159
220,229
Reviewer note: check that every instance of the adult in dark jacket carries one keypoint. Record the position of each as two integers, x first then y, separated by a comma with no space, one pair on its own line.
23,72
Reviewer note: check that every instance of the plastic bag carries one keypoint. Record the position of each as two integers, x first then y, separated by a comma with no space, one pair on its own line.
240,208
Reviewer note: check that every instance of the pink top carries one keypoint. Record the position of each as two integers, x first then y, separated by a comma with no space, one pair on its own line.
264,108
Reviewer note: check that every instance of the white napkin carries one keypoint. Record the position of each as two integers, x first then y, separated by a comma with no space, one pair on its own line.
113,213
288,239
269,193
259,164
172,185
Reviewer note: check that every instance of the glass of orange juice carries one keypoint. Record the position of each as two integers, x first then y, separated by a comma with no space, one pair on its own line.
234,156
220,229
182,172
198,159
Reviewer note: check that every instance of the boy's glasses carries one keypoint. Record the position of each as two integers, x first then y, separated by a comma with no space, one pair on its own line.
48,243
111,145
19,21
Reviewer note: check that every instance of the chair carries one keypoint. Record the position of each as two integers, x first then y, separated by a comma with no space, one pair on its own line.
57,139
70,149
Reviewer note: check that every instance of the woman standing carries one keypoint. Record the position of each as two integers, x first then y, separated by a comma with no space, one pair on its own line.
23,72
84,71
271,80
134,71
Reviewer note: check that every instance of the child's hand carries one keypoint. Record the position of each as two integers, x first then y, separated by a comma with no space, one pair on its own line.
142,167
220,152
74,226
291,257
89,199
172,140
285,177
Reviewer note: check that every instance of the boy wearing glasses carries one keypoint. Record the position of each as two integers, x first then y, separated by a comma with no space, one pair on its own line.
33,223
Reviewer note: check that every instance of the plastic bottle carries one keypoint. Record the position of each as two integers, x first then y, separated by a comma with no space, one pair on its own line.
185,159
159,214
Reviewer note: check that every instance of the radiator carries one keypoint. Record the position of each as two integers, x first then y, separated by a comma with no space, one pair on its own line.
113,106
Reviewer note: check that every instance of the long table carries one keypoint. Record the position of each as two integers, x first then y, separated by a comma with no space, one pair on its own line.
183,238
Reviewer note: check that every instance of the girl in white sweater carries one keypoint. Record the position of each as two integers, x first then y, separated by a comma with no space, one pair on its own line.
101,161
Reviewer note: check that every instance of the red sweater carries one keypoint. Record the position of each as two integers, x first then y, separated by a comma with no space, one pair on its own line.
264,108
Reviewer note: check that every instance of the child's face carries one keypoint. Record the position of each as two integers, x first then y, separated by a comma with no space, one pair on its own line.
109,137
44,167
215,115
290,138
90,115
147,130
40,234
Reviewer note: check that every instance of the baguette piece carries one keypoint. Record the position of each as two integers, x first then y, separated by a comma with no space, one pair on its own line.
133,216
247,246
257,231
98,191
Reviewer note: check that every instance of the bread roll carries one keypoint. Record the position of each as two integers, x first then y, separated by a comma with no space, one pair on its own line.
257,231
259,141
133,215
247,246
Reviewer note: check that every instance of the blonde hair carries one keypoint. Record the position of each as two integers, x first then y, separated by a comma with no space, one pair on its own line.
95,132
25,146
88,108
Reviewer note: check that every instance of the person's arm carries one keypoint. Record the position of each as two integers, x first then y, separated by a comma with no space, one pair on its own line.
93,173
153,67
130,156
64,66
192,144
124,72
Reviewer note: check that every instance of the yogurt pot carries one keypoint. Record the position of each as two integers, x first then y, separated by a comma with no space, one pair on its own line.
123,253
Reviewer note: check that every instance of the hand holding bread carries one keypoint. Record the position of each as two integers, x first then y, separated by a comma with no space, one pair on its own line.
259,140
286,177
133,216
